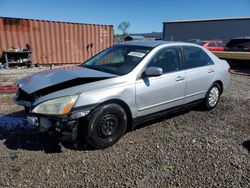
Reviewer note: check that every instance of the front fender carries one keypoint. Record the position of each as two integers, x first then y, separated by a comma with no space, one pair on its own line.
123,93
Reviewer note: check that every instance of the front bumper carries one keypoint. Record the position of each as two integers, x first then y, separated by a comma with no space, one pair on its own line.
66,129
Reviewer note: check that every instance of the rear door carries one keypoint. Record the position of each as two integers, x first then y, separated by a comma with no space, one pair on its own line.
200,71
155,94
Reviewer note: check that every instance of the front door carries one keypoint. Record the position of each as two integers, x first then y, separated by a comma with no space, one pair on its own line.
158,93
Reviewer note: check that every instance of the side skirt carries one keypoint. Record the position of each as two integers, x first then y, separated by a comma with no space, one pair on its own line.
149,117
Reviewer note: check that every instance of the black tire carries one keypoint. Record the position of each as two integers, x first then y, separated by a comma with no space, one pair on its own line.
106,125
212,97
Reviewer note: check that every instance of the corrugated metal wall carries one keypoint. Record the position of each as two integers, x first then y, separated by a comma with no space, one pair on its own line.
223,29
55,42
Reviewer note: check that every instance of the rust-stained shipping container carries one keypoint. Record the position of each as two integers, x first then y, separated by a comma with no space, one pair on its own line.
55,42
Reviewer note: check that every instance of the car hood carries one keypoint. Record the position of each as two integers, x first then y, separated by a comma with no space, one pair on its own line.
62,77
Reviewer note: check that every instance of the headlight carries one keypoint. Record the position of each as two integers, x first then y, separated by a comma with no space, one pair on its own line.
59,106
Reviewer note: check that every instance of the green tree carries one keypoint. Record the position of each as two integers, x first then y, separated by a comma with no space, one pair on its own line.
123,27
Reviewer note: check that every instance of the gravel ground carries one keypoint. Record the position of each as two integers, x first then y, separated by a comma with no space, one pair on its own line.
189,149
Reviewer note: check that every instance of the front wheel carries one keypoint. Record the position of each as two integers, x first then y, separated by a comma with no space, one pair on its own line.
212,96
106,125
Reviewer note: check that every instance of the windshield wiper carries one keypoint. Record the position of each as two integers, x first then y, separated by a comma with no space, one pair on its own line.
93,67
100,68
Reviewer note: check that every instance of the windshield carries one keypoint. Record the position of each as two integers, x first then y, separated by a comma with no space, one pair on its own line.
119,59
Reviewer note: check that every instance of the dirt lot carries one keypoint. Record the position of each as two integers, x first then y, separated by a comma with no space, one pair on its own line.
189,149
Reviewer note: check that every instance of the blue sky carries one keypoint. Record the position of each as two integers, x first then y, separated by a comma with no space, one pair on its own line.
143,15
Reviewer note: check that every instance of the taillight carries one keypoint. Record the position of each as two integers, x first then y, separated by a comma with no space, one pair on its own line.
230,70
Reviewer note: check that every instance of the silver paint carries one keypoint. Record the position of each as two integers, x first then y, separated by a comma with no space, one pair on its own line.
143,96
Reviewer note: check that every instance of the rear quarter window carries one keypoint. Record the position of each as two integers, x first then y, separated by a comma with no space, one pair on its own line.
195,57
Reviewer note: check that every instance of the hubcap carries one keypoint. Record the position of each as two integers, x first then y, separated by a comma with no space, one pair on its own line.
213,96
108,125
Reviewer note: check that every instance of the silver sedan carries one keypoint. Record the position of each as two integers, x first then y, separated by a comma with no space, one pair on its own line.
120,87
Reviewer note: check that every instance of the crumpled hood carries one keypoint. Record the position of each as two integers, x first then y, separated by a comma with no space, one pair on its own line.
49,78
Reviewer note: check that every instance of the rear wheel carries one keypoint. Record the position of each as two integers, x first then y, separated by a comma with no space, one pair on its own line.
106,125
212,97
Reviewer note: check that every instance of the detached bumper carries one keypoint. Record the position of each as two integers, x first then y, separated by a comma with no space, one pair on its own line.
66,129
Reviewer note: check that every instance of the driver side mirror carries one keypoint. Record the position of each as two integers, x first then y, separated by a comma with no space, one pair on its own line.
153,71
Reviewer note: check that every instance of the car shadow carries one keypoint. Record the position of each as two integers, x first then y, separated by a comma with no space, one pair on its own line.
162,118
17,134
242,72
240,67
246,145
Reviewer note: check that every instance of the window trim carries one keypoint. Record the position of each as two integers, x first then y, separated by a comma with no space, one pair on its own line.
184,62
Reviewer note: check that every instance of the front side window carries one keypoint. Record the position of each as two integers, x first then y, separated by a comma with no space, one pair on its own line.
119,59
168,59
195,57
211,44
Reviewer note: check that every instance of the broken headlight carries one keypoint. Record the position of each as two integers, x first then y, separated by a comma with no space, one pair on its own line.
58,106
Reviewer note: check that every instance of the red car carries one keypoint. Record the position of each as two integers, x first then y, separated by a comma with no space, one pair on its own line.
212,45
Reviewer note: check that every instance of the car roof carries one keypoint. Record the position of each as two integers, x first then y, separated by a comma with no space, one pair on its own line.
147,43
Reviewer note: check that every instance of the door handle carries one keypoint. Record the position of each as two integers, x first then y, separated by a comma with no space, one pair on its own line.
179,78
210,70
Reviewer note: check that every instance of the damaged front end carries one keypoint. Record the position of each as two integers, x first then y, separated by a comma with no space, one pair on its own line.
49,97
65,128
54,116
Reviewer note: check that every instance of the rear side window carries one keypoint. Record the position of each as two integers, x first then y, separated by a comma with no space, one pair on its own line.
168,59
195,57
